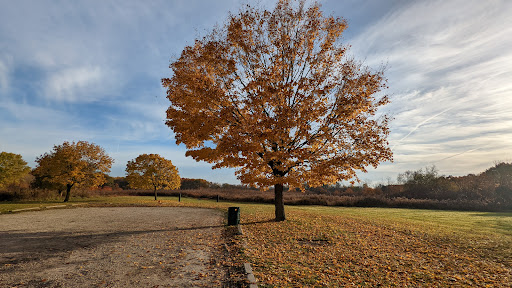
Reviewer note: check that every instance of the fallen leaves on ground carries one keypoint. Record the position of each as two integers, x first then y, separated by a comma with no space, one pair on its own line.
316,250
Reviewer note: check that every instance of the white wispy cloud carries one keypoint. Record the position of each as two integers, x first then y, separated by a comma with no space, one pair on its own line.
5,62
70,84
449,74
419,125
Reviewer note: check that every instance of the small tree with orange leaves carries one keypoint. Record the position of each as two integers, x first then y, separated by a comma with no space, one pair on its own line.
275,94
152,171
74,164
12,168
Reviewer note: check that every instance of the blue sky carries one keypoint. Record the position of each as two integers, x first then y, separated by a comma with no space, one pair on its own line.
91,70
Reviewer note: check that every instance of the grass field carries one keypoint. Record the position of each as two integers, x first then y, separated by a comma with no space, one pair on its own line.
361,247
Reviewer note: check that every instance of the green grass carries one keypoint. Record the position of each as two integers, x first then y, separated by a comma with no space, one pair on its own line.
439,221
7,207
334,246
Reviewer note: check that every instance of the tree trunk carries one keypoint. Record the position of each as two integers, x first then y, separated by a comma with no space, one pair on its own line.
155,193
68,191
279,202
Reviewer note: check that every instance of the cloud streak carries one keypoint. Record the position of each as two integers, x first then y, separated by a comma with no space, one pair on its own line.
4,75
449,55
419,125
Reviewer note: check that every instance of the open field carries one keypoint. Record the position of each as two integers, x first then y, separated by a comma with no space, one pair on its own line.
363,247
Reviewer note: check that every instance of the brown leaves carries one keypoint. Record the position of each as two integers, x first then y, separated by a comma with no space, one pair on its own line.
273,94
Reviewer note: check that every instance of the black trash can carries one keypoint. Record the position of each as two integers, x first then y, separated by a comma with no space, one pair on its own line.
233,216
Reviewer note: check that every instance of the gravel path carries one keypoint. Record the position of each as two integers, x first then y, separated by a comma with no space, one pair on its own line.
112,247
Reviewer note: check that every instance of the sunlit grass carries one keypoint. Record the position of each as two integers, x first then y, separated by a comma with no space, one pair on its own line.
6,207
475,223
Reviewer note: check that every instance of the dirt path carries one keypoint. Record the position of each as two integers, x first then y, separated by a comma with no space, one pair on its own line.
112,247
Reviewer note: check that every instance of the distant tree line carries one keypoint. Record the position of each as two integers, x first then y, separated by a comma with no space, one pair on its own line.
423,188
121,183
493,186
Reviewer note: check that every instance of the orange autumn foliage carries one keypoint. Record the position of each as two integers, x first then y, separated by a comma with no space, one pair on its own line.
274,94
152,171
74,164
12,168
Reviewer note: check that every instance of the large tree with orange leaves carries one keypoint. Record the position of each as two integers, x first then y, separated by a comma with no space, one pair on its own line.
274,94
74,164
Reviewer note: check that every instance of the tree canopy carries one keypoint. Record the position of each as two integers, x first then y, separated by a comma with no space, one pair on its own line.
12,168
74,164
152,171
275,94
